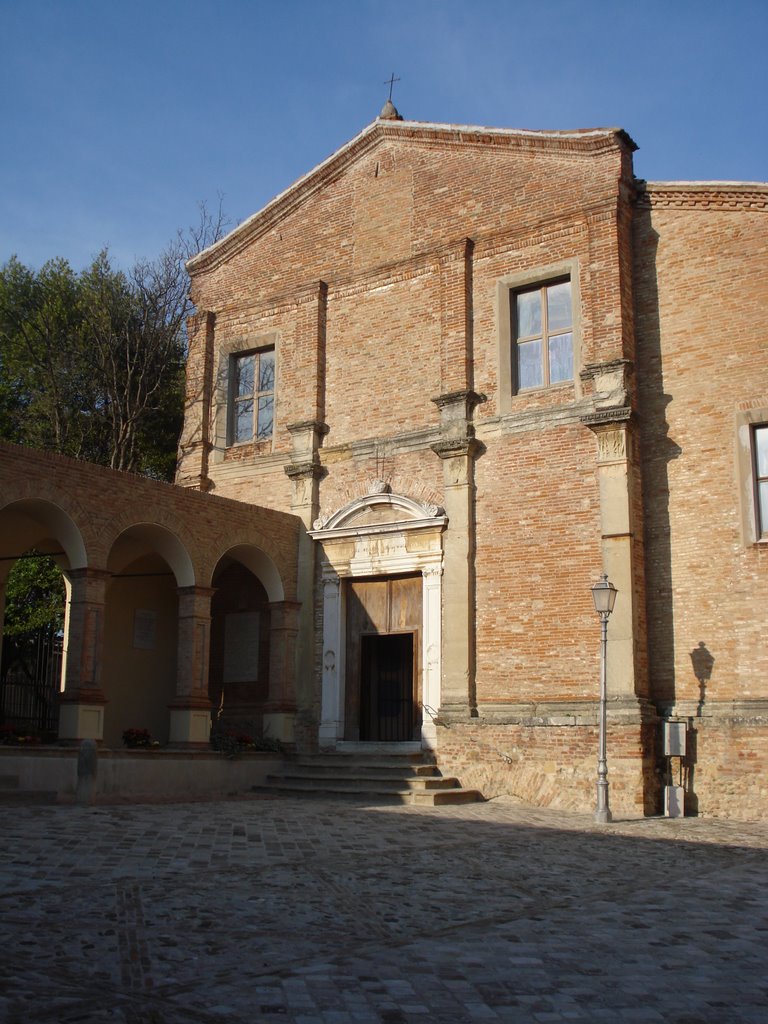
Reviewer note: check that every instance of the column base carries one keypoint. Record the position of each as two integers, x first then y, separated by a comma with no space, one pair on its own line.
81,721
328,735
428,734
190,724
278,725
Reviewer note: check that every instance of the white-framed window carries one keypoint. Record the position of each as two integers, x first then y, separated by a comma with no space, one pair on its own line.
538,332
252,395
752,473
760,456
542,319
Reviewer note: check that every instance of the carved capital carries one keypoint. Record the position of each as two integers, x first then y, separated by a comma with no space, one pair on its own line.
456,447
464,400
304,471
306,425
610,381
603,417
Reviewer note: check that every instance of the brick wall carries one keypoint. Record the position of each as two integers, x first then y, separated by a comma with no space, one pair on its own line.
378,275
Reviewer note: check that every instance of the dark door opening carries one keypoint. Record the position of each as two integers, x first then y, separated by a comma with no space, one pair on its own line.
387,707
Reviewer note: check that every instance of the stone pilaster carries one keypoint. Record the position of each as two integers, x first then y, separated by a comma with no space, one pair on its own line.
332,699
458,449
432,592
305,473
82,703
280,710
195,443
456,316
190,710
614,433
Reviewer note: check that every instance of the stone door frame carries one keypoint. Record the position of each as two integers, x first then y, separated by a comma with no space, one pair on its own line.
409,543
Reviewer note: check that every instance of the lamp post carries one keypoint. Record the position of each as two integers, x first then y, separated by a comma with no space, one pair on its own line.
604,596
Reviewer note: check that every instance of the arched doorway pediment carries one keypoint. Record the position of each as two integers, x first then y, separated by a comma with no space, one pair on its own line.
376,513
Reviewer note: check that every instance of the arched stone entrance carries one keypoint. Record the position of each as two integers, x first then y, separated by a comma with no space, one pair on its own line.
253,633
382,595
32,665
148,568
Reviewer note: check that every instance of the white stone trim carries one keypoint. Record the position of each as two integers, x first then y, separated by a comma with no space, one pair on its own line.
417,515
380,550
332,706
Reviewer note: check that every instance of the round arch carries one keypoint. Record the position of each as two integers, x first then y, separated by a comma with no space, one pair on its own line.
31,522
151,537
257,562
395,508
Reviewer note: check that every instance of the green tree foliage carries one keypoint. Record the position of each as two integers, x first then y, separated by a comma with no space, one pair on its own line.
34,596
91,363
92,366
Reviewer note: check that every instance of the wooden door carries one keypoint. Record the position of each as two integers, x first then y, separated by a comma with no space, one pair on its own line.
377,609
387,707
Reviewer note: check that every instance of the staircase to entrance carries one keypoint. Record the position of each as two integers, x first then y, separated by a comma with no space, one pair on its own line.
376,773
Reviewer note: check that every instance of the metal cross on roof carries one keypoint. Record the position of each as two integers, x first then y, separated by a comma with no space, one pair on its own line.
390,82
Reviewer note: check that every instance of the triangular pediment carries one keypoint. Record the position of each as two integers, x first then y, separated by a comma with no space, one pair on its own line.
381,130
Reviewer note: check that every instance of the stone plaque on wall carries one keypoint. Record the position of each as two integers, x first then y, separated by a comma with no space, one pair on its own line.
144,629
241,647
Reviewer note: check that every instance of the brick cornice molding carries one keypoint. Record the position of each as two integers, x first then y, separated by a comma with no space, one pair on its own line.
725,196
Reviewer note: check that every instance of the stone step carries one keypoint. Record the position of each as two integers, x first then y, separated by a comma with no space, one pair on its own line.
374,773
9,782
362,781
347,761
329,766
426,797
369,749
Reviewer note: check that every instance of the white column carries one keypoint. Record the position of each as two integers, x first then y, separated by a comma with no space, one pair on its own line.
332,709
432,597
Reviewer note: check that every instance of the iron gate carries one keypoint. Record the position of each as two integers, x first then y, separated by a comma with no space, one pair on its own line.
30,677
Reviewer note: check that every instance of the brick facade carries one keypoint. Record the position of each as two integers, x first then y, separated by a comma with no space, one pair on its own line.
384,282
383,278
138,551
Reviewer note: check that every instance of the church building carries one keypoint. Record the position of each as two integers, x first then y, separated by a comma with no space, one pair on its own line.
435,389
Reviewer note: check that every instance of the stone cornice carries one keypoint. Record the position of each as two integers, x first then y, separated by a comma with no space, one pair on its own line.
607,417
592,370
300,428
471,398
456,447
304,470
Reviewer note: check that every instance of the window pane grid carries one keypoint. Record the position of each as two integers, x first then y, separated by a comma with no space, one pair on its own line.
544,335
761,472
253,398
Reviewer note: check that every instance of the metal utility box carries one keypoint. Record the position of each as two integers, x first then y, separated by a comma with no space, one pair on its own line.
674,801
674,739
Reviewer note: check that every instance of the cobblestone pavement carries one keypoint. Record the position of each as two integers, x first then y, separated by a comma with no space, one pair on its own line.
305,912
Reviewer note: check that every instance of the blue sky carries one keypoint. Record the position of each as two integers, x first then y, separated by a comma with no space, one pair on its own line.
119,116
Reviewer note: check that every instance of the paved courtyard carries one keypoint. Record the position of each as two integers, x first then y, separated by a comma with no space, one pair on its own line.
303,912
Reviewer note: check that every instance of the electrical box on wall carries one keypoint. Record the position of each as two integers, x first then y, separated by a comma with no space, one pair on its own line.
674,739
674,801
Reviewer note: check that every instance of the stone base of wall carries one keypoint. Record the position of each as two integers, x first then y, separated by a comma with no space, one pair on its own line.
554,765
136,776
726,770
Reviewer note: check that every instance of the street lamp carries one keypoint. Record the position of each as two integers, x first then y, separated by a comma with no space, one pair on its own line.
604,596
